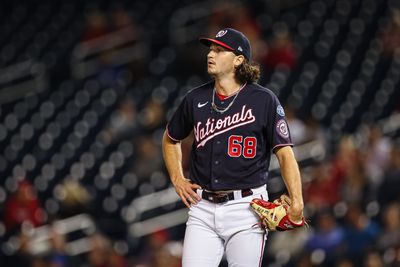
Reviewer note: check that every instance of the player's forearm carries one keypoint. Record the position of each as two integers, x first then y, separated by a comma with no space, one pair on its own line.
291,174
172,154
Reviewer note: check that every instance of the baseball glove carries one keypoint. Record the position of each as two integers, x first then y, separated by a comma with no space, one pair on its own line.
274,215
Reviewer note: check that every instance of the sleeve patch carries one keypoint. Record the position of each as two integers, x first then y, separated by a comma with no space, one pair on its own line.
280,111
282,128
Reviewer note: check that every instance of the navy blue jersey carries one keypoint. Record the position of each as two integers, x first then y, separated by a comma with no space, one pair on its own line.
231,150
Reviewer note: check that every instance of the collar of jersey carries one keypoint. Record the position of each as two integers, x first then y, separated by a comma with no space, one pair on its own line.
223,97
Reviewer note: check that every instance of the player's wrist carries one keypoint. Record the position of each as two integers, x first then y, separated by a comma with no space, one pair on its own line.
177,179
297,203
296,221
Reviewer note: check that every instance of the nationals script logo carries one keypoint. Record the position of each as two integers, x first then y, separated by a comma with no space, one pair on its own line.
205,132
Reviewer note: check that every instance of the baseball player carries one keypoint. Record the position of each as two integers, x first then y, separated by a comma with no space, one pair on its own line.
237,125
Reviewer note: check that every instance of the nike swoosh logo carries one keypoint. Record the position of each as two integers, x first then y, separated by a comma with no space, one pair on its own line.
200,105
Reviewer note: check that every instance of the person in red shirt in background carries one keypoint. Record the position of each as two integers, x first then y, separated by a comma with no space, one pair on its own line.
323,190
23,206
281,49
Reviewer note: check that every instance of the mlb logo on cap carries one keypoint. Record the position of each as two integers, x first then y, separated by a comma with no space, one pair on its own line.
232,40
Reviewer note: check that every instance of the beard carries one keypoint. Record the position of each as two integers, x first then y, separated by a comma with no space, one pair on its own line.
212,71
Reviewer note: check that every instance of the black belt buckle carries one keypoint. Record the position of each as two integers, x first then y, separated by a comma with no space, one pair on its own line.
247,192
222,198
216,198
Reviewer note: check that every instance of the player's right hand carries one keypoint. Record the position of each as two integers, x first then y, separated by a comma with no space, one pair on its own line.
187,191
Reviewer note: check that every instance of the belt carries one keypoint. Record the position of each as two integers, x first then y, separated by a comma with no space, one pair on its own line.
220,197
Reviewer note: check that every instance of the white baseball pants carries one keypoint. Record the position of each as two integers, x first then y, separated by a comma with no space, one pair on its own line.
231,228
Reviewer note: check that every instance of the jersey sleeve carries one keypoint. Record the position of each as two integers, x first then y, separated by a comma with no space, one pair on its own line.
278,126
181,123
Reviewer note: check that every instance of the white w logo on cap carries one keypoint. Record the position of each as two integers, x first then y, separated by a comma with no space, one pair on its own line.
221,33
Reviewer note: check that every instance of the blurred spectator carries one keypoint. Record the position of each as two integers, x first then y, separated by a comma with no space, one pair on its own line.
122,20
344,262
349,171
118,260
373,259
109,72
388,190
40,262
360,233
149,159
396,260
355,186
23,206
327,236
291,242
390,236
170,255
304,260
324,188
153,246
23,256
235,14
298,130
377,153
76,199
315,131
391,33
345,155
152,115
96,25
123,122
58,256
119,32
281,49
100,251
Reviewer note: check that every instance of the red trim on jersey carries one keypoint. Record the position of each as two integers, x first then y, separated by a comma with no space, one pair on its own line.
223,97
170,137
262,249
218,43
281,145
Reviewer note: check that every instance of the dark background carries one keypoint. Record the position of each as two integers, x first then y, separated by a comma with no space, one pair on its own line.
86,89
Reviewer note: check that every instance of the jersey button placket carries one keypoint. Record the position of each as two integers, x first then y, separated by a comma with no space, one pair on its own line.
216,158
215,162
